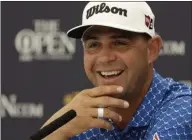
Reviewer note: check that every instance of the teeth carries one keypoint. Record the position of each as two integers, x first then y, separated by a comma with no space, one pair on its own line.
109,73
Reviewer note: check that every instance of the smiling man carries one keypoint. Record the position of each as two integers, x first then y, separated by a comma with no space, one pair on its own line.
130,99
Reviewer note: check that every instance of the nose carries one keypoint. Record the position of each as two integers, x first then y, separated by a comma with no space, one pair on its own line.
106,55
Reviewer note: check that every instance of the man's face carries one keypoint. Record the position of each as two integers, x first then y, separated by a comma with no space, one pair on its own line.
115,57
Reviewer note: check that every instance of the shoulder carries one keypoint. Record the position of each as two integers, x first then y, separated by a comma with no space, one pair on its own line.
173,118
177,102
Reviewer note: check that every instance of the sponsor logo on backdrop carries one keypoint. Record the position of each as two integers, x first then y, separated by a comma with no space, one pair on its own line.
45,42
173,48
10,107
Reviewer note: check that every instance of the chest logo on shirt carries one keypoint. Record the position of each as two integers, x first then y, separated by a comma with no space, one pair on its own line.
156,136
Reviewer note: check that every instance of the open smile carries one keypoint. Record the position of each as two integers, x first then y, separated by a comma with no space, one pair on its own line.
110,74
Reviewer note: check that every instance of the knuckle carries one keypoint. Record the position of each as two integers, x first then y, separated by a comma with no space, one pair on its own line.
107,113
85,91
116,117
105,101
112,115
101,90
104,89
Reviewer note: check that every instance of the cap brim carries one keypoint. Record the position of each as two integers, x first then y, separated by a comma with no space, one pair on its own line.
78,31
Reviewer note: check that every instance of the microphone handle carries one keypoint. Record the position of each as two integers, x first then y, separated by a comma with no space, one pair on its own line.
48,129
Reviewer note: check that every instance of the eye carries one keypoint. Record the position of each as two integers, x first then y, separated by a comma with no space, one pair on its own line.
92,45
120,43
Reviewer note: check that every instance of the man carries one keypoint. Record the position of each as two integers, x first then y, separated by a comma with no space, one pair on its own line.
130,99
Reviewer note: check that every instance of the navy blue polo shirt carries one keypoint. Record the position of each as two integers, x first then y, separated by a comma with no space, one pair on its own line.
164,114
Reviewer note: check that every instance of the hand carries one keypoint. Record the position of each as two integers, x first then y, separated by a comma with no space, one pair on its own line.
86,103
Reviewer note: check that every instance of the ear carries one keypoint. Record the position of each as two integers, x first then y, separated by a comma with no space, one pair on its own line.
154,46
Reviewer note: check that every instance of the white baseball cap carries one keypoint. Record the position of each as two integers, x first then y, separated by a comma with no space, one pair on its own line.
130,16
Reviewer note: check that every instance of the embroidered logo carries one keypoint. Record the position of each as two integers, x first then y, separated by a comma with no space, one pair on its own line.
104,8
155,136
149,22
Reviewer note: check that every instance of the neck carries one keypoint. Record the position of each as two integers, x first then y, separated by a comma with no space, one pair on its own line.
134,103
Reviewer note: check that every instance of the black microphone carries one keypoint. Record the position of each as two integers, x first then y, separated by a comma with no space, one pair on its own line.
48,129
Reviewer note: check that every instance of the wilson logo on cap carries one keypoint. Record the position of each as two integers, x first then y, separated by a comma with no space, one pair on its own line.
104,8
149,22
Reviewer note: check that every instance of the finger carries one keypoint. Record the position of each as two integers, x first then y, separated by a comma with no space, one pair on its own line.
104,90
99,123
107,114
107,101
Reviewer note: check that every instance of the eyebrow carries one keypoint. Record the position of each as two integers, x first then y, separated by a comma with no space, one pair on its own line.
89,37
124,36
